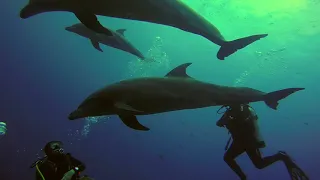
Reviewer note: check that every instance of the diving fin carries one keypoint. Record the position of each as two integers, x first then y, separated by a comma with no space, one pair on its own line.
231,47
132,122
295,172
271,99
96,45
91,21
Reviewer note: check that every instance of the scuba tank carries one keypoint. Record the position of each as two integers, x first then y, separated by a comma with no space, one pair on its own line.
39,160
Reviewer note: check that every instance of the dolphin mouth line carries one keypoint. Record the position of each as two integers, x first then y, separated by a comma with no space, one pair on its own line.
68,28
73,115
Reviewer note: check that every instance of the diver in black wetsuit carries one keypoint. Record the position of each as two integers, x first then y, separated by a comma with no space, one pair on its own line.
57,165
241,121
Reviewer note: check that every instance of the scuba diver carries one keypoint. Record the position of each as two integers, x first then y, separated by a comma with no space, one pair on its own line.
241,121
56,165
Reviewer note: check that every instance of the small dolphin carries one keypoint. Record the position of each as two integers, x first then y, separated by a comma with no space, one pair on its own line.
166,12
175,91
118,40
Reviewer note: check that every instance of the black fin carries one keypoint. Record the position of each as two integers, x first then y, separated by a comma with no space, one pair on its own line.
271,99
180,71
121,31
132,122
231,47
91,21
96,45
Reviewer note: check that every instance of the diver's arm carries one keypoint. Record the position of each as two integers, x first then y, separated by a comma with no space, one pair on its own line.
43,173
223,120
68,175
77,163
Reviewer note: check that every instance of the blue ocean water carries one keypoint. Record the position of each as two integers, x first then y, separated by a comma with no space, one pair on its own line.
46,72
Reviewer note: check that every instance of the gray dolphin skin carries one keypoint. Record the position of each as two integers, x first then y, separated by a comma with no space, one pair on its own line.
175,91
118,40
172,13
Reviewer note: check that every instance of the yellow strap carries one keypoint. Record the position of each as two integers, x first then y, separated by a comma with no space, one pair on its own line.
40,172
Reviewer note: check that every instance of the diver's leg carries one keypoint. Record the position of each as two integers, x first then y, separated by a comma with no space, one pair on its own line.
262,162
234,151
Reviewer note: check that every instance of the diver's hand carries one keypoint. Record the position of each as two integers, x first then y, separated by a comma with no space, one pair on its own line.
68,175
224,120
219,124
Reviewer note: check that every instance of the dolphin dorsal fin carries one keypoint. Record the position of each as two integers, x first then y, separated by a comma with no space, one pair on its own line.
121,31
180,71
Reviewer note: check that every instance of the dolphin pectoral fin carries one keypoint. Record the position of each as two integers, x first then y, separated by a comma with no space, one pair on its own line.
132,122
180,71
121,31
231,47
91,21
96,45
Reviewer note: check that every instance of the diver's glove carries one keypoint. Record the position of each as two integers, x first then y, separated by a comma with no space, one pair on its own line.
68,175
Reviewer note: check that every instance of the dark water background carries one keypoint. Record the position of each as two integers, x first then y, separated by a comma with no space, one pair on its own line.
45,72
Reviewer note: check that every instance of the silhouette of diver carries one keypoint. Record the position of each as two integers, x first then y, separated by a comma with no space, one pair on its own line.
57,165
241,121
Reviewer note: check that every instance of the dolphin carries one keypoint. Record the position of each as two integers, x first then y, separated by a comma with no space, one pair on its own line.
172,13
175,91
118,40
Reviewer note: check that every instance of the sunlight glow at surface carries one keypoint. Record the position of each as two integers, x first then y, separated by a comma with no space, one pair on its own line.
253,7
263,7
160,59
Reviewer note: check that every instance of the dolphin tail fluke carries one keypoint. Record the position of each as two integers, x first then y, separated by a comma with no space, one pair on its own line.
271,99
132,122
231,47
91,21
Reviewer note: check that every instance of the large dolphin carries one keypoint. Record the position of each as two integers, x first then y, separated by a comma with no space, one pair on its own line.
166,12
118,40
175,91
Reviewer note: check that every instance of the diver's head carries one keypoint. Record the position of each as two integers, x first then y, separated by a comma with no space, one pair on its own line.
233,107
54,149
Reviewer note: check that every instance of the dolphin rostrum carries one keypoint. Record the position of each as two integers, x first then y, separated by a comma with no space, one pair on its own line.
118,40
175,91
172,13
